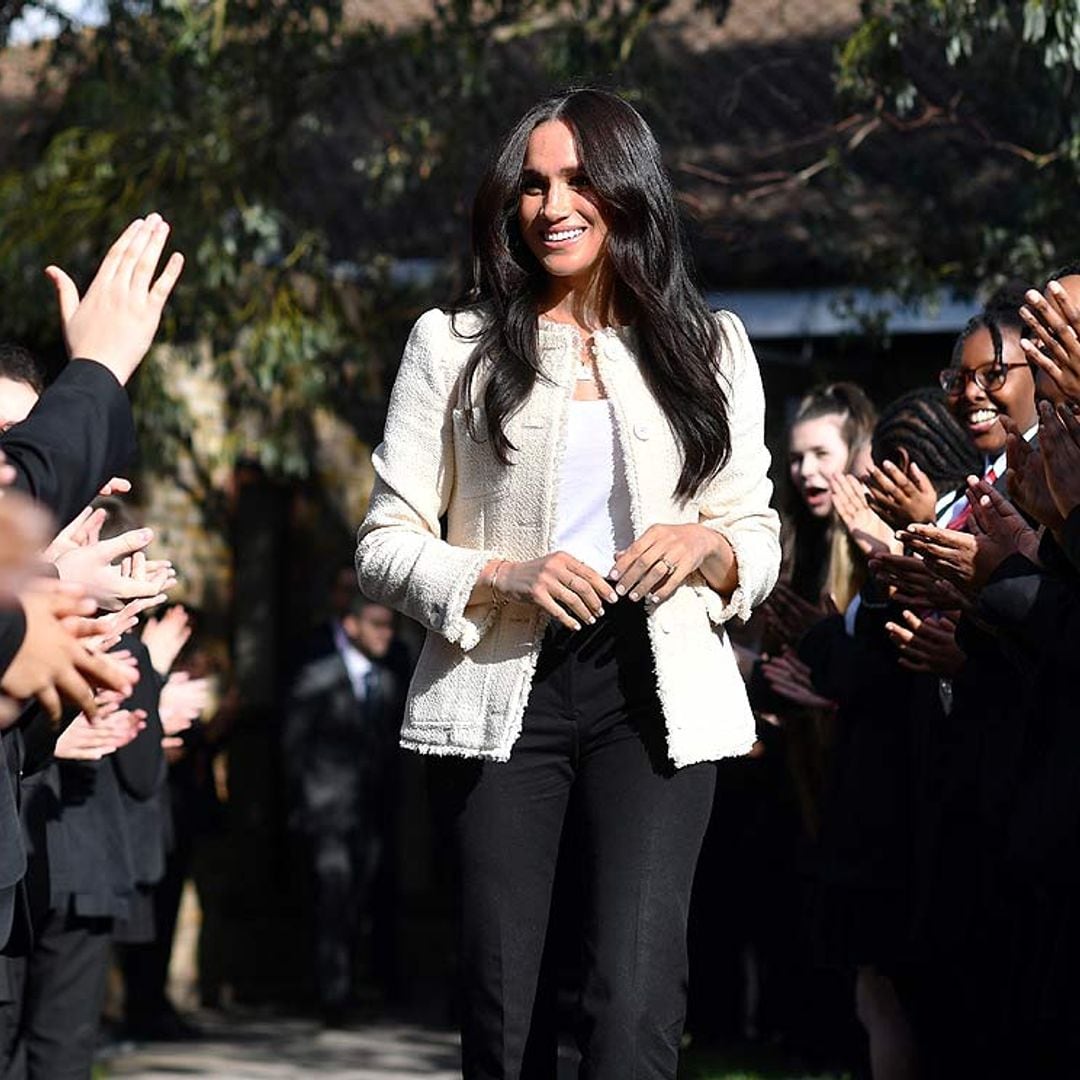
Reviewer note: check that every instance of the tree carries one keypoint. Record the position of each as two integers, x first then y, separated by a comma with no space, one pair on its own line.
977,104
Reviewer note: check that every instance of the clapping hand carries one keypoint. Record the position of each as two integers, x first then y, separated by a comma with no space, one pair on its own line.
183,701
1055,323
53,663
789,677
111,729
910,581
165,637
869,532
927,644
115,321
1059,441
788,616
93,566
1026,478
901,496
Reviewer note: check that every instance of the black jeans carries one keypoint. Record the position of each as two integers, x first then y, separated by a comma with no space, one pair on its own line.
592,749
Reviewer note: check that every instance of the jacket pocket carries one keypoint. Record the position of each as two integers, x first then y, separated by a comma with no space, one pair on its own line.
477,471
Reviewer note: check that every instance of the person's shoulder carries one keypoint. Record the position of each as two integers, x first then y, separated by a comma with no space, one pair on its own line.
450,325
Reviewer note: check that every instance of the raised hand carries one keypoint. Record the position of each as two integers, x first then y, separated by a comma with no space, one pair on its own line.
901,497
93,566
1026,477
927,644
999,529
870,532
115,322
1055,323
1059,441
83,530
164,638
790,678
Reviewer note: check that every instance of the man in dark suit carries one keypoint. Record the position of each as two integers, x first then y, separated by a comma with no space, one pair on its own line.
340,735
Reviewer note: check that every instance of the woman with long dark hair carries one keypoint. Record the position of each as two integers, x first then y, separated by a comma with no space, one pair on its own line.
593,437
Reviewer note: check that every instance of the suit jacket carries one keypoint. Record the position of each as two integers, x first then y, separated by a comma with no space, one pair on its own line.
473,678
338,750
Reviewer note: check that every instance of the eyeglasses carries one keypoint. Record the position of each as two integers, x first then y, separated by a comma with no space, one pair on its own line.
987,377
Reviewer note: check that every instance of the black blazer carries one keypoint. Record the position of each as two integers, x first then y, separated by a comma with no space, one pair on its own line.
337,749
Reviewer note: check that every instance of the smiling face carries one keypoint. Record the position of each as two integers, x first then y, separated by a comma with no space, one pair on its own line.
816,451
977,409
558,213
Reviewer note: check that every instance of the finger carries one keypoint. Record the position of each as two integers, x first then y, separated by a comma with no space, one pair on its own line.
669,585
566,598
1070,313
50,701
918,477
1038,357
899,478
126,543
117,485
143,272
1070,423
77,690
67,295
579,584
168,279
116,253
911,619
557,612
881,482
126,267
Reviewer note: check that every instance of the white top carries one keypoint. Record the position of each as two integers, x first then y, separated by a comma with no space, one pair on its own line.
592,517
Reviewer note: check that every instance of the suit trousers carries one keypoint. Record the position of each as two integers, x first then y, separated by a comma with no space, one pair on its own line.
592,756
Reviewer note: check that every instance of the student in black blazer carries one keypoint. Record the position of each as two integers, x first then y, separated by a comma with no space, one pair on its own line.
339,744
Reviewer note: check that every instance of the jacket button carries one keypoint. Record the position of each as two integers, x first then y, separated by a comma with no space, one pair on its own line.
642,430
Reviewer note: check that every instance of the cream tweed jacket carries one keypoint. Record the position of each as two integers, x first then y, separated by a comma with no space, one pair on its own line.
472,681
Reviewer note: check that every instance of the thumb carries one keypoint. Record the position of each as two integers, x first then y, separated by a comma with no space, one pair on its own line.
127,543
67,294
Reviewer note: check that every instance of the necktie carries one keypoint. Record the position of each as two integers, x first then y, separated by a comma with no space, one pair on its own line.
958,522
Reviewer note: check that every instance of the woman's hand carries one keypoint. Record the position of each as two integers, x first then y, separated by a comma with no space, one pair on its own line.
559,584
901,497
664,556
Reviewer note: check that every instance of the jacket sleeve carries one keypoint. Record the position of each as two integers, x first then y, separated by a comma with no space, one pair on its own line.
140,765
78,435
401,559
736,502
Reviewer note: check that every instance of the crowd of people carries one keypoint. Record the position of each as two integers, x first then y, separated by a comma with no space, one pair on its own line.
96,700
913,669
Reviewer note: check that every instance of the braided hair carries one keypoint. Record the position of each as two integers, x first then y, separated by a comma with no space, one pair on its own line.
921,424
1001,311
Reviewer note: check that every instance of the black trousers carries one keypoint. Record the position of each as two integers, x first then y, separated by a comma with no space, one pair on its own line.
592,754
50,1029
